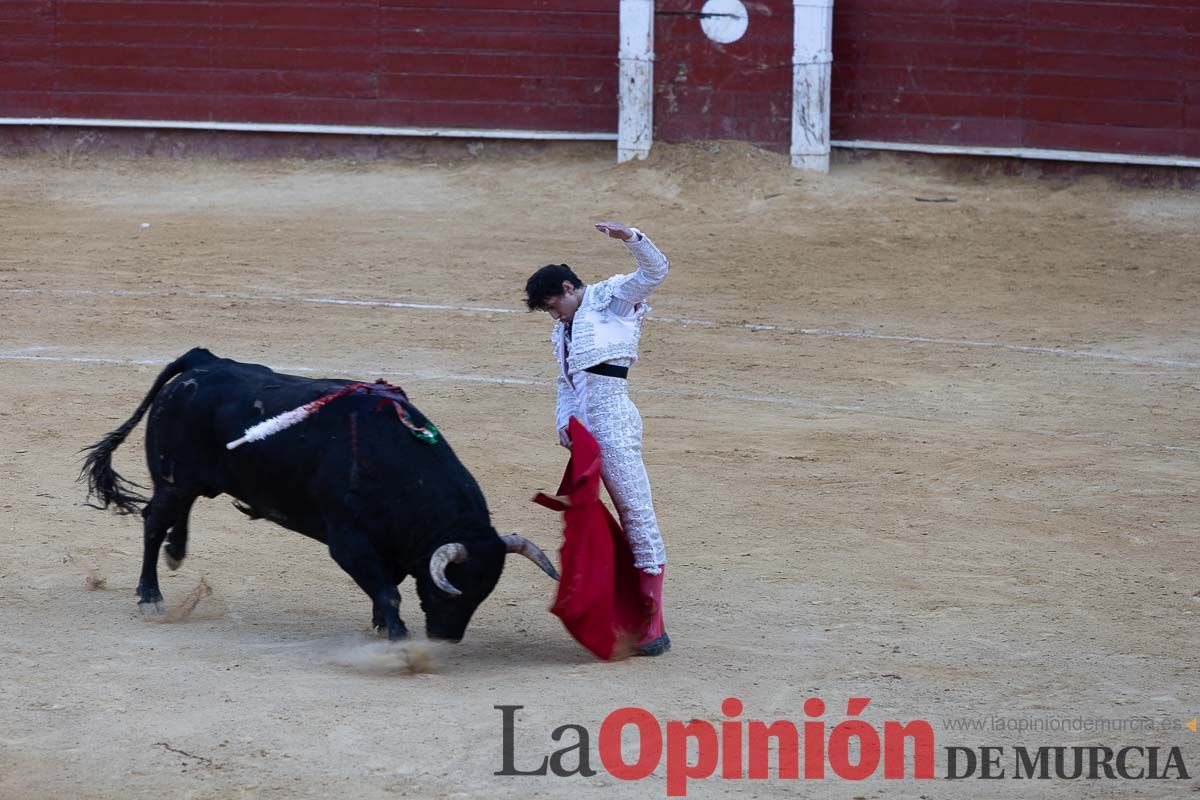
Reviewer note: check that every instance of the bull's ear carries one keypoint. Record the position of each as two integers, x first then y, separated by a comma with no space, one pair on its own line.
519,544
453,553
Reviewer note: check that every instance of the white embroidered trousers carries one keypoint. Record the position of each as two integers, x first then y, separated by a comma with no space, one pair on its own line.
612,418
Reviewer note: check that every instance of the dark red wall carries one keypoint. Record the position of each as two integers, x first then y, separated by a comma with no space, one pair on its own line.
525,64
741,90
1106,75
1103,75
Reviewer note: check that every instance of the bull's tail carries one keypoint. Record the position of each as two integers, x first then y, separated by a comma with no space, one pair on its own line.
103,482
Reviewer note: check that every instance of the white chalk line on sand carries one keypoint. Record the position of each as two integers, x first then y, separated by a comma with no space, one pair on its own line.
32,354
748,326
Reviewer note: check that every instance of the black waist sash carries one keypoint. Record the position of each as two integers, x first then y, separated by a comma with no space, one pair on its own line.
610,370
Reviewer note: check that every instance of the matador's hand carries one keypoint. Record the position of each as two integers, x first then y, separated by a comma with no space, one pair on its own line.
616,230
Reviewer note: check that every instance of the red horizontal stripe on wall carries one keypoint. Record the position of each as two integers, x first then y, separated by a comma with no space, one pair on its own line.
213,107
1137,141
438,62
927,104
1167,116
1108,65
865,77
1106,42
192,81
929,130
580,7
1192,100
182,57
524,90
524,22
25,9
1190,141
33,27
26,51
910,28
156,36
28,78
499,42
1085,87
337,16
1156,18
497,115
24,103
966,55
961,10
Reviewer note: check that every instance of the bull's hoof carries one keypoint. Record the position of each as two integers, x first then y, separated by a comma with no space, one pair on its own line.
380,630
173,556
398,635
656,647
153,610
445,639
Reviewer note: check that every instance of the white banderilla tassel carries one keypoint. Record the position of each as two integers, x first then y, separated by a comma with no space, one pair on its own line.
270,426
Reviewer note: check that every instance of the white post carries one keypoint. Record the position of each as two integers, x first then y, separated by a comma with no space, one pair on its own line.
812,56
635,130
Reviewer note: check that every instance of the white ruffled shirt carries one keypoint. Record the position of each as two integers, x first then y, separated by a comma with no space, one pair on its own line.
608,324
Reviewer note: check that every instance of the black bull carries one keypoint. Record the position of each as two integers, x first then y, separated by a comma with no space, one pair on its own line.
351,476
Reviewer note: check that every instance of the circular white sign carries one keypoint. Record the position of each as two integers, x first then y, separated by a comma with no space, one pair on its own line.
724,21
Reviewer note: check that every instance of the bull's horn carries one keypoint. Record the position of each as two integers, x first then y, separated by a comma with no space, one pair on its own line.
452,553
519,544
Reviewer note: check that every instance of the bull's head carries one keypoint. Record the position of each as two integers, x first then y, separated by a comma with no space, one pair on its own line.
461,576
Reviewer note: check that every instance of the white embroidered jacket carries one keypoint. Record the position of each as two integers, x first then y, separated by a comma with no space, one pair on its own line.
608,324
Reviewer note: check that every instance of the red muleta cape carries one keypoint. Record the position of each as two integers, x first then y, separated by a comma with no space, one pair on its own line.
598,599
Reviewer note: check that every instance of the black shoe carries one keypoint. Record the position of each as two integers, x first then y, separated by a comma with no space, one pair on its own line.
655,648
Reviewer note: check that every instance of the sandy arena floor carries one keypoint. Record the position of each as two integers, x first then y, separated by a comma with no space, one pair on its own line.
939,454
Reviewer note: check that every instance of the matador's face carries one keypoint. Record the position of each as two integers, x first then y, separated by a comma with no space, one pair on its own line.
562,307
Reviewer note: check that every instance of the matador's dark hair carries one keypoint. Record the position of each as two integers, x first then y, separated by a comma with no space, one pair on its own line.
546,283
